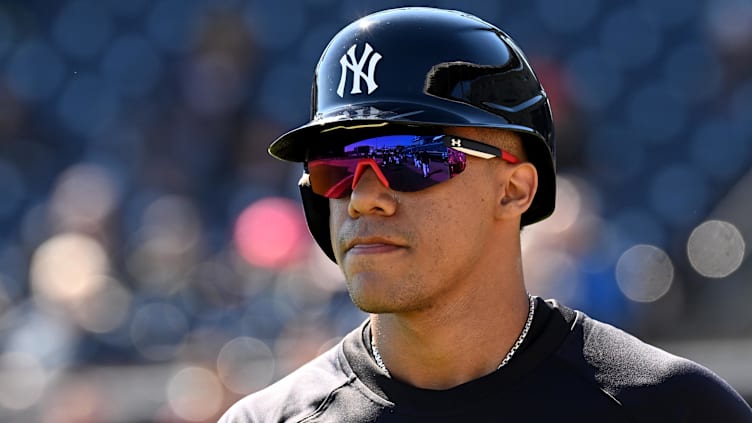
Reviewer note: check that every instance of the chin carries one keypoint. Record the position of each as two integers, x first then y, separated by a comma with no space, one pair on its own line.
374,303
385,303
378,292
371,305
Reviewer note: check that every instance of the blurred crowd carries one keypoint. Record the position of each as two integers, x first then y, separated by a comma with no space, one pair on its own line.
155,264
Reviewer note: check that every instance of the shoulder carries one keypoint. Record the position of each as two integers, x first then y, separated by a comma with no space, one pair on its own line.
622,357
297,395
652,382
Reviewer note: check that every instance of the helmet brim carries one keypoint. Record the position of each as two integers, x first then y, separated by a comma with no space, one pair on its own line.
378,118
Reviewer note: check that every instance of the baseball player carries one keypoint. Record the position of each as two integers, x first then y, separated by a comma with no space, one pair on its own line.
453,335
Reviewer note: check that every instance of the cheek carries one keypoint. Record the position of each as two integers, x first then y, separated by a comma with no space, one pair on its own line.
467,217
337,216
337,213
455,228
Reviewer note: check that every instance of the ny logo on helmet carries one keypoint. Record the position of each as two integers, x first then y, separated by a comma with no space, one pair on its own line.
348,61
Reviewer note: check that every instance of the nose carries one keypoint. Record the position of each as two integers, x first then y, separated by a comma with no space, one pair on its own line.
370,191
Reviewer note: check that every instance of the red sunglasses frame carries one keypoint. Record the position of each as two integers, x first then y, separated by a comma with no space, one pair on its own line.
463,145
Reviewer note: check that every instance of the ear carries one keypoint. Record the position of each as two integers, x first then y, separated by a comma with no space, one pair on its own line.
517,186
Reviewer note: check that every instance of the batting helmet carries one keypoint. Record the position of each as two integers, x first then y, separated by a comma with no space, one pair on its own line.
422,67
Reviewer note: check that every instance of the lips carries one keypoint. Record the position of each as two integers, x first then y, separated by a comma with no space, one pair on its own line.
373,245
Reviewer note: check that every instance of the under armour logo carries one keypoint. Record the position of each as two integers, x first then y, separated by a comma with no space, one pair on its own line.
456,142
348,61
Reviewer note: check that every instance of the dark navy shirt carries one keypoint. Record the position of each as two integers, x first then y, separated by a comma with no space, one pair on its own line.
571,368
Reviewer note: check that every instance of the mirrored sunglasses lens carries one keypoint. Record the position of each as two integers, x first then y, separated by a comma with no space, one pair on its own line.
332,178
409,162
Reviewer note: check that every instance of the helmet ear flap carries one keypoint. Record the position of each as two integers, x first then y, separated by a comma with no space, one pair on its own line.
316,208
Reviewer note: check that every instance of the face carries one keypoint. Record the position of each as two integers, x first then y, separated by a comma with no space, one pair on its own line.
408,252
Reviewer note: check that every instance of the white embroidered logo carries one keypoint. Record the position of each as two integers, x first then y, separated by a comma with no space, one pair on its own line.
456,142
348,61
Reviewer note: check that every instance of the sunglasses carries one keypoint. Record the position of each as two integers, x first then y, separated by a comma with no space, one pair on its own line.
405,163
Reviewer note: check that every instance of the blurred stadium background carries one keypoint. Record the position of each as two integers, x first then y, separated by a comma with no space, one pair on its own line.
154,261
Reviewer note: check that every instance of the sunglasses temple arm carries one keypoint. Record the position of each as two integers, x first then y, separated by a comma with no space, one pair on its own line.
509,157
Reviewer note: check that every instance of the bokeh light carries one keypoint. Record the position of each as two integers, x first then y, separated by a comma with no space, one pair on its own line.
68,268
552,274
644,273
166,246
195,394
45,335
105,309
24,380
84,196
80,401
569,207
716,249
729,23
271,233
245,365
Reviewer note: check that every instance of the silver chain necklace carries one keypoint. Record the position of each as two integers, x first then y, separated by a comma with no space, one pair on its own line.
520,340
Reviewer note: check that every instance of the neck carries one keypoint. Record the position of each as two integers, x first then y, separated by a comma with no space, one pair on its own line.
448,346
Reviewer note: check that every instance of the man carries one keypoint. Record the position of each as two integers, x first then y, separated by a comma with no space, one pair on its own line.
453,335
